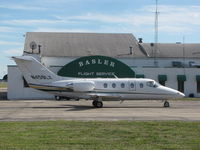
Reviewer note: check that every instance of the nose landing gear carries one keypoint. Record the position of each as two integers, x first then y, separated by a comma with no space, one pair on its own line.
166,104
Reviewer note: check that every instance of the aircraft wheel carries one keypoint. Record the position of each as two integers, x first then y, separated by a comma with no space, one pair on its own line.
166,104
57,98
99,104
94,103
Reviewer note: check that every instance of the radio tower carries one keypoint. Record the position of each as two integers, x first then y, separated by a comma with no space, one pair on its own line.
156,35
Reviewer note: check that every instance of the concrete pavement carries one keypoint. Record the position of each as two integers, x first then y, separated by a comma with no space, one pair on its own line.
39,110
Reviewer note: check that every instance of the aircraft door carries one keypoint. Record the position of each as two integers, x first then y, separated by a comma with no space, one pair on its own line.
132,86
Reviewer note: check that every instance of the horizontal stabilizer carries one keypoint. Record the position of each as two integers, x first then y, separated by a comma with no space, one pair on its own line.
27,58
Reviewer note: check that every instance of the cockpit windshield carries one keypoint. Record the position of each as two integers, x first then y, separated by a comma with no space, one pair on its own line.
152,84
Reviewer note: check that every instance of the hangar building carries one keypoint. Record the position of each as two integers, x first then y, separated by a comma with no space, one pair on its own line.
90,55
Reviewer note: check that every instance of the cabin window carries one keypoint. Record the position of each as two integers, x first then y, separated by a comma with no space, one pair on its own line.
113,85
132,85
105,85
150,83
141,85
122,85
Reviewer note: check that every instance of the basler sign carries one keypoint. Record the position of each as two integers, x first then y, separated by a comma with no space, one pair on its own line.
96,66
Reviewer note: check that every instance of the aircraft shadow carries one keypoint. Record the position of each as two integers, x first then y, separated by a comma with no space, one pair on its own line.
83,107
53,107
70,107
80,108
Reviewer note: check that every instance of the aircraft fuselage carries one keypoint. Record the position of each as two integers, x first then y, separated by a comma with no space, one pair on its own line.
111,89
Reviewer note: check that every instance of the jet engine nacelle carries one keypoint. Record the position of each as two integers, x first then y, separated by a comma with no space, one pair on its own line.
83,86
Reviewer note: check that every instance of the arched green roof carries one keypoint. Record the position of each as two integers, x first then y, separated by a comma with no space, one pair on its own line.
96,66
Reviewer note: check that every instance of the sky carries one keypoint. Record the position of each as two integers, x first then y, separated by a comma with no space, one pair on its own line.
178,21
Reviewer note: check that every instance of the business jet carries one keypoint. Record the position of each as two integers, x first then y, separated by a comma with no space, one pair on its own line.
97,89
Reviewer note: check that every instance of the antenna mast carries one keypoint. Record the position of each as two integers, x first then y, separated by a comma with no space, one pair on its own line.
184,54
156,34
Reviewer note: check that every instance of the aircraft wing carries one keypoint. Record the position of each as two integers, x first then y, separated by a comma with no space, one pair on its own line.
69,86
105,95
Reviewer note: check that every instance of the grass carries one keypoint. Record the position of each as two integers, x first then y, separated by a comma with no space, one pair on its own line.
3,84
188,99
120,135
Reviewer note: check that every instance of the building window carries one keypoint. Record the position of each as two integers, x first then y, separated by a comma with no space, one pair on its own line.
122,85
140,76
105,85
113,85
198,83
181,86
198,86
141,85
181,79
162,79
162,83
25,82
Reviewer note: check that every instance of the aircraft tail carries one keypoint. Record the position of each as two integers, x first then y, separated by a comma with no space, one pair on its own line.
34,72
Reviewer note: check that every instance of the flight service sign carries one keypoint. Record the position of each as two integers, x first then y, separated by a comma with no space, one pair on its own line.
96,67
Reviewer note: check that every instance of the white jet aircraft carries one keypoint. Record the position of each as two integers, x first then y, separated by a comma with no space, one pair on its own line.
96,89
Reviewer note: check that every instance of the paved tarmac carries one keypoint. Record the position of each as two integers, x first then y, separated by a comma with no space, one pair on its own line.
39,110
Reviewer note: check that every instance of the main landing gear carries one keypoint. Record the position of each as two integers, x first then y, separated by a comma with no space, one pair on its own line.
58,98
166,104
97,104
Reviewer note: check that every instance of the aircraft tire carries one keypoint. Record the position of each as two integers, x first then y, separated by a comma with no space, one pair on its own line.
94,103
99,104
166,104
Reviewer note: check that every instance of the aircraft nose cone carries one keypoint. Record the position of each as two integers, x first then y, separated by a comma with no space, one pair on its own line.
180,94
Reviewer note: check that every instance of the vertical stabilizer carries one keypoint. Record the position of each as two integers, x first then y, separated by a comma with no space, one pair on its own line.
34,72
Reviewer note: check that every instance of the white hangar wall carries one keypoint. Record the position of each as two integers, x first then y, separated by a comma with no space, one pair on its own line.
55,50
17,90
190,85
